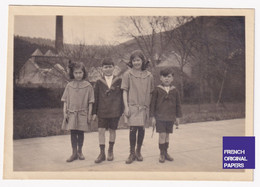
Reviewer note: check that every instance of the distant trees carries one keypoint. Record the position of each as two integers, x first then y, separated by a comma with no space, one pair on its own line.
213,47
218,41
156,36
182,41
149,32
209,45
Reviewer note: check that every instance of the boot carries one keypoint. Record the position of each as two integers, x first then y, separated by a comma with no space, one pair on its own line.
167,156
102,156
138,155
74,140
131,157
110,155
74,155
162,153
80,154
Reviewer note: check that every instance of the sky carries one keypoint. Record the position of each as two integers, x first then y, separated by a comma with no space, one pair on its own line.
76,29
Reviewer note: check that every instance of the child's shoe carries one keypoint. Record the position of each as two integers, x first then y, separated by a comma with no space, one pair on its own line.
138,155
81,156
167,156
162,153
130,159
110,154
102,156
162,158
73,157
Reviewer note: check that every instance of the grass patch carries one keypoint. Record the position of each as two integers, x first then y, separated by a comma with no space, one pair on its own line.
29,123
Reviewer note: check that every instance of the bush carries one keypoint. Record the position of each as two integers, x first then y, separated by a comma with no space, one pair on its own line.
29,123
30,98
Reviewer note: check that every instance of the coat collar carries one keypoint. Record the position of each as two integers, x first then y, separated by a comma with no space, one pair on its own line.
102,79
163,88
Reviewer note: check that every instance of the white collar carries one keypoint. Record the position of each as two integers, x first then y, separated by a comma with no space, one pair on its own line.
109,80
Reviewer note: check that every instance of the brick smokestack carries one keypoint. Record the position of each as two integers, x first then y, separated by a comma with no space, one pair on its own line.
59,34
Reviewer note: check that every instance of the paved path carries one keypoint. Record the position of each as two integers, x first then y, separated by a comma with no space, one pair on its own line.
195,147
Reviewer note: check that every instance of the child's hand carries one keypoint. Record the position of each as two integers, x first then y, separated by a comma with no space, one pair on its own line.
66,117
89,119
153,122
127,112
94,117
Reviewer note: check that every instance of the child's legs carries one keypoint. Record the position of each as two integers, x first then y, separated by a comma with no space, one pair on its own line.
167,138
161,129
112,125
101,136
74,138
112,135
132,135
80,138
162,137
169,130
140,138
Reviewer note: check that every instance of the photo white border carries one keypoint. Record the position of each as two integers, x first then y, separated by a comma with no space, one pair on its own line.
154,3
104,11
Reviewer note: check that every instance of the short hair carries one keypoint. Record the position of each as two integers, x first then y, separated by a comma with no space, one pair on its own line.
76,65
165,72
107,61
138,53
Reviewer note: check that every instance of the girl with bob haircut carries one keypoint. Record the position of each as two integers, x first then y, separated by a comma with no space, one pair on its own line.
78,98
137,85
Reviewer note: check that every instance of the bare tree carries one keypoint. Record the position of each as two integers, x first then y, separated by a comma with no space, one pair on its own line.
149,34
182,41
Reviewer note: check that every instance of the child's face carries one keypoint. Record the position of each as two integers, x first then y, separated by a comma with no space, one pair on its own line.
108,70
166,80
78,74
137,63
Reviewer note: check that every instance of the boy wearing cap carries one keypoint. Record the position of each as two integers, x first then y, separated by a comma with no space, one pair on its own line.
107,107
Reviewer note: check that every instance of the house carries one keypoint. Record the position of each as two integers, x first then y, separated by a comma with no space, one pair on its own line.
43,70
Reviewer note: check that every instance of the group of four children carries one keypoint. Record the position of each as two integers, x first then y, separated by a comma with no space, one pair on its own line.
133,95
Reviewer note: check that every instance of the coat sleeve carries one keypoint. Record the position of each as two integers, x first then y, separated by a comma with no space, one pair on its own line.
153,103
178,105
91,97
96,93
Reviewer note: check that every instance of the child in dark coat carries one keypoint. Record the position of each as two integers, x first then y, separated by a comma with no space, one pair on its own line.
108,107
165,110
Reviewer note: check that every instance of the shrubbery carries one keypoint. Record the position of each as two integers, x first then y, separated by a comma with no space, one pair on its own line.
29,98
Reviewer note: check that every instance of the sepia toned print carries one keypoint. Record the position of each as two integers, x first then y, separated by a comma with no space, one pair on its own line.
208,51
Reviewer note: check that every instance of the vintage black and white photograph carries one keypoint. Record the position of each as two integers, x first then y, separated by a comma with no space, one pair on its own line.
127,93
